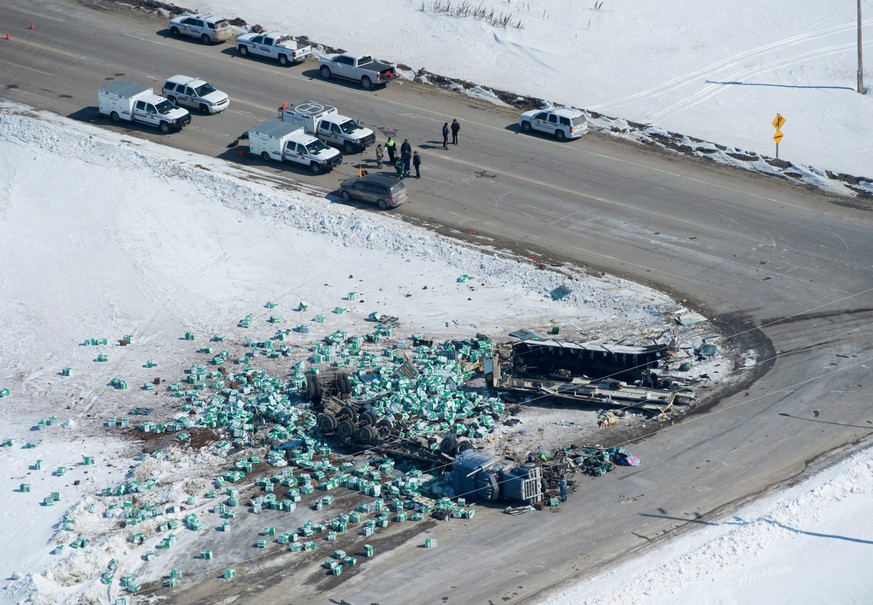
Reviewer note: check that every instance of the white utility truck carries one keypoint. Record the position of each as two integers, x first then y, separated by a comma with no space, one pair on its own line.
132,102
282,141
326,123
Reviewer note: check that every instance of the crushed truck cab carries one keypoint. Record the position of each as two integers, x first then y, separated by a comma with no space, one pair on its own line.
132,102
275,140
326,123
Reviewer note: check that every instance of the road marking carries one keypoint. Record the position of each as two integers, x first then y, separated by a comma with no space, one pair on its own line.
39,71
50,49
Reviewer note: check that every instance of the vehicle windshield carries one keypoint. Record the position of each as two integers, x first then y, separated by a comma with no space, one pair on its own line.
316,147
365,59
349,126
165,107
580,121
204,90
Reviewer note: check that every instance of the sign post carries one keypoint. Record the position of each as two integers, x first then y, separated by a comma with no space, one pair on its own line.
778,122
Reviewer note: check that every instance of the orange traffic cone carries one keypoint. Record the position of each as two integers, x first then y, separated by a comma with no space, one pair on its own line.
7,36
31,26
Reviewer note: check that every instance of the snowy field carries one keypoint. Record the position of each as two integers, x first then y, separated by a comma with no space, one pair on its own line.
719,72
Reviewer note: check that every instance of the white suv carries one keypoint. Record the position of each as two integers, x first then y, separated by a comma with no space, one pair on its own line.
206,28
196,93
558,121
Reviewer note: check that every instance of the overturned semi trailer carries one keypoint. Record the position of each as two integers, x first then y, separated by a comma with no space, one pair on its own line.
590,359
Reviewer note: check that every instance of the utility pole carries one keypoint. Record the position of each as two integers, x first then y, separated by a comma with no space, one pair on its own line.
860,58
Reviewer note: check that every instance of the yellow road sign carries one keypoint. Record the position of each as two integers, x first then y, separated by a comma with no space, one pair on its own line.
778,121
778,136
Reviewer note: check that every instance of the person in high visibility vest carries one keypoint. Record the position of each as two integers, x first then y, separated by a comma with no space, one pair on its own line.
391,148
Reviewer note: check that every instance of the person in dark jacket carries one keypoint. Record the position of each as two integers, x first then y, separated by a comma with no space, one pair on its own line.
398,165
416,161
406,156
391,148
445,135
456,128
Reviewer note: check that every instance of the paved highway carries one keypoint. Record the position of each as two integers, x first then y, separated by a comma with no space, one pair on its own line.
784,270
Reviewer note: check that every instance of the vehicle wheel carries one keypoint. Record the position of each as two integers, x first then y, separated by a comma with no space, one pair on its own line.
265,156
313,389
367,435
325,72
346,428
205,39
174,31
316,169
385,427
464,445
204,109
327,423
172,100
382,205
348,412
367,83
449,446
526,127
343,384
368,418
348,147
346,196
114,117
243,50
165,128
283,60
559,134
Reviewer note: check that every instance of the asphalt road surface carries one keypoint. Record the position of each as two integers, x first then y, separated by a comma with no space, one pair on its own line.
787,272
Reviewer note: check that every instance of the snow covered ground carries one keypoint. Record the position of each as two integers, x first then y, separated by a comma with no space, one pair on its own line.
719,72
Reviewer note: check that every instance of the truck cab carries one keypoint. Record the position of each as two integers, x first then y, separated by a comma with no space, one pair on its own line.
281,141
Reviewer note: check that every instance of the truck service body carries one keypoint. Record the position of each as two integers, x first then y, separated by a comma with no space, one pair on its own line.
326,123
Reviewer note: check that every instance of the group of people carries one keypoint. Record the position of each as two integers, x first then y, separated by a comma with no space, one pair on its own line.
408,158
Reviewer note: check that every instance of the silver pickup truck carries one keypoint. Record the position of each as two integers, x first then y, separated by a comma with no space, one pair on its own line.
361,69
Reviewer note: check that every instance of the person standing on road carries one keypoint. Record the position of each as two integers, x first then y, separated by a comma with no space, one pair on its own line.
456,128
379,155
416,161
445,135
406,156
563,487
398,165
391,147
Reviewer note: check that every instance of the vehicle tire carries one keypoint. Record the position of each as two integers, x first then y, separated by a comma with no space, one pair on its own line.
114,117
348,148
367,435
382,205
315,168
526,127
347,197
449,445
368,418
327,422
559,134
346,428
204,109
172,100
464,445
385,427
348,412
366,83
325,72
174,31
343,384
204,39
265,156
242,50
165,127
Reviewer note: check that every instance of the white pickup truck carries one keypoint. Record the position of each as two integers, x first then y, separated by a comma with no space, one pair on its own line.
273,45
326,123
124,100
361,69
281,141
